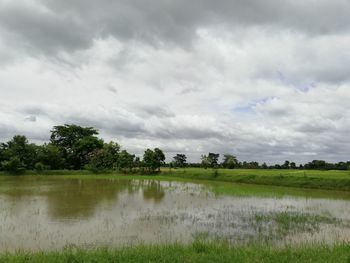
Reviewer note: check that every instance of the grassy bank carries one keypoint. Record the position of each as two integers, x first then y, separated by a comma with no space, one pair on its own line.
329,180
196,252
313,179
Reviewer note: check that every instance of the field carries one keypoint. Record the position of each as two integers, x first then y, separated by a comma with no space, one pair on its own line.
315,179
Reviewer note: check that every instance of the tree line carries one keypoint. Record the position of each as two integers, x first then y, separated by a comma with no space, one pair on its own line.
74,147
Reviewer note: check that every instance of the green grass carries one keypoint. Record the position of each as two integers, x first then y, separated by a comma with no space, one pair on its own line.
199,251
282,224
308,179
330,180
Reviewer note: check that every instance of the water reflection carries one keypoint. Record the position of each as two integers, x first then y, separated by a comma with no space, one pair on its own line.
153,190
51,212
76,198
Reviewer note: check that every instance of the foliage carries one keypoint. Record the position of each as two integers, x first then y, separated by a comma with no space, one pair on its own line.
180,160
40,167
51,156
14,165
153,159
75,143
126,160
230,161
75,147
104,159
210,160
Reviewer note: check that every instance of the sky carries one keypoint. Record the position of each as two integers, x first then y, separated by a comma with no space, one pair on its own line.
264,80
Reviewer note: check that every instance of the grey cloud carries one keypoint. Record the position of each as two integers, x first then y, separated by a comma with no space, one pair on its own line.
30,118
112,89
153,111
33,110
189,90
71,25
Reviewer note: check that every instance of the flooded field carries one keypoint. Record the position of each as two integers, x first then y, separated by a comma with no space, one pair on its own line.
51,213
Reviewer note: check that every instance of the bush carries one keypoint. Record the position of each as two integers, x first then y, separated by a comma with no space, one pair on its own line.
40,167
13,166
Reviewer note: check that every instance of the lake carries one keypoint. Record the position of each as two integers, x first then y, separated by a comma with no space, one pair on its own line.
48,213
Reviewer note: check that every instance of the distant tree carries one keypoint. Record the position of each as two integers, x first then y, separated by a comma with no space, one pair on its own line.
153,159
104,159
19,148
213,159
180,160
316,164
40,167
286,165
159,158
76,143
14,165
50,156
264,166
230,161
205,162
293,165
125,160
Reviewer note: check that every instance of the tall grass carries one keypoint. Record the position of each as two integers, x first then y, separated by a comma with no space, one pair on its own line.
199,251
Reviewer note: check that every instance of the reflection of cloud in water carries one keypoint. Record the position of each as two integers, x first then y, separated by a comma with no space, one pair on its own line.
48,213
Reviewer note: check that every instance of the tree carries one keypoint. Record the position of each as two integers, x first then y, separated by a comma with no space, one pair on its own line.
105,158
230,161
286,165
213,159
293,165
76,143
205,161
159,158
125,160
180,160
153,159
51,156
19,148
14,165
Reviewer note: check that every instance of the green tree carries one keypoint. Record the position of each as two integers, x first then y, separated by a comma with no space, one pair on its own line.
14,165
51,156
293,165
19,148
159,158
125,160
180,160
213,159
230,161
205,161
105,158
286,165
76,143
153,159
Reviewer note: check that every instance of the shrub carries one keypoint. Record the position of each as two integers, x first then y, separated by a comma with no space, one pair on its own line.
13,166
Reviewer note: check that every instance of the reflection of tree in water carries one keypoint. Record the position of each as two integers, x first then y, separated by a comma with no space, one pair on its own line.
153,190
76,198
80,198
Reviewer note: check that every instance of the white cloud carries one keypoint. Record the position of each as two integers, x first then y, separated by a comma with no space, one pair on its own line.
266,88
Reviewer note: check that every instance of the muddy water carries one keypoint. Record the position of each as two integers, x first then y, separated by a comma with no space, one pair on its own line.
51,213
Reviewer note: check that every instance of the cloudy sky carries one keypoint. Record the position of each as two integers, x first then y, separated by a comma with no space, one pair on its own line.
266,80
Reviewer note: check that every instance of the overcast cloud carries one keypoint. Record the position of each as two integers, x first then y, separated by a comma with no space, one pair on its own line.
265,80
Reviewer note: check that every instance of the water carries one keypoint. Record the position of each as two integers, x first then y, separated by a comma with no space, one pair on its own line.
46,213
